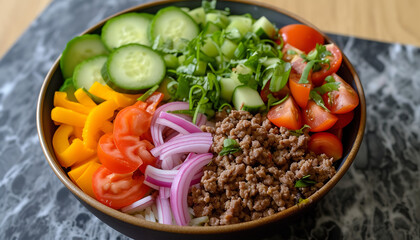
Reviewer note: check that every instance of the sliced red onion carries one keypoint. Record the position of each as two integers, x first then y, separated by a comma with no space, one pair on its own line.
180,122
139,205
172,125
150,184
156,178
156,130
172,136
180,186
184,139
164,211
164,192
201,119
196,147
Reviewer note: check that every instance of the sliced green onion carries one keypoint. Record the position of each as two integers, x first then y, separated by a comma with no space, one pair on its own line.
148,93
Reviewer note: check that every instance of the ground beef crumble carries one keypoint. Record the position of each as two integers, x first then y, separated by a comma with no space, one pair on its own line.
259,180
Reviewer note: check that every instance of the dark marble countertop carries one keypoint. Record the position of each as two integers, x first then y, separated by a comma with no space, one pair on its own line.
379,197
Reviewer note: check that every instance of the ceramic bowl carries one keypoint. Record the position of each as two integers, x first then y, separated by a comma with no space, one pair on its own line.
137,228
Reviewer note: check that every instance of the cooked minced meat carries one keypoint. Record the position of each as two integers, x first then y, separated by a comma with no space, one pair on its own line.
259,180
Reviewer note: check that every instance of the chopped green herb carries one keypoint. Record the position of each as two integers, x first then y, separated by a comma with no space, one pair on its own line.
318,99
148,93
280,76
304,182
299,132
272,101
182,91
226,106
229,146
95,98
329,79
318,55
248,79
305,73
291,52
327,87
208,6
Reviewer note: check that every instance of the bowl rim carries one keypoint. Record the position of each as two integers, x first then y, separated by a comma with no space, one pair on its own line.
59,172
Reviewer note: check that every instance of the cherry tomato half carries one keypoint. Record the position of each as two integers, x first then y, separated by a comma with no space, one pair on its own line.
112,158
318,77
301,36
300,91
343,120
342,101
131,126
318,118
286,114
327,143
117,190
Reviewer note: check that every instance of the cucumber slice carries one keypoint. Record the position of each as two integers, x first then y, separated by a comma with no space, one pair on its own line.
228,48
201,68
243,24
68,88
218,19
79,49
227,86
171,61
198,15
264,28
133,67
209,48
210,28
247,99
127,28
240,69
173,25
88,72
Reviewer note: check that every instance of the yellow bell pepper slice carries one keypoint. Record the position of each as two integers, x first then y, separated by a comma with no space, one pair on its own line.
95,120
80,167
67,116
107,93
69,153
78,131
60,100
85,180
84,99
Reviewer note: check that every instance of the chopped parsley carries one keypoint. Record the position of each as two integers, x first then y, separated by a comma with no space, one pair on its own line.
229,146
304,182
299,132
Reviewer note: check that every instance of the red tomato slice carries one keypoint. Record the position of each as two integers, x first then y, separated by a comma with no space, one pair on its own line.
318,77
300,91
338,132
327,143
285,50
279,95
131,126
301,36
112,158
286,114
342,101
117,190
343,120
317,118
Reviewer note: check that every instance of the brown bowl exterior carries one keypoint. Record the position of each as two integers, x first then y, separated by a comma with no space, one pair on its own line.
135,227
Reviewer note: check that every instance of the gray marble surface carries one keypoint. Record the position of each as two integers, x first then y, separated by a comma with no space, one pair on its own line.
379,198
